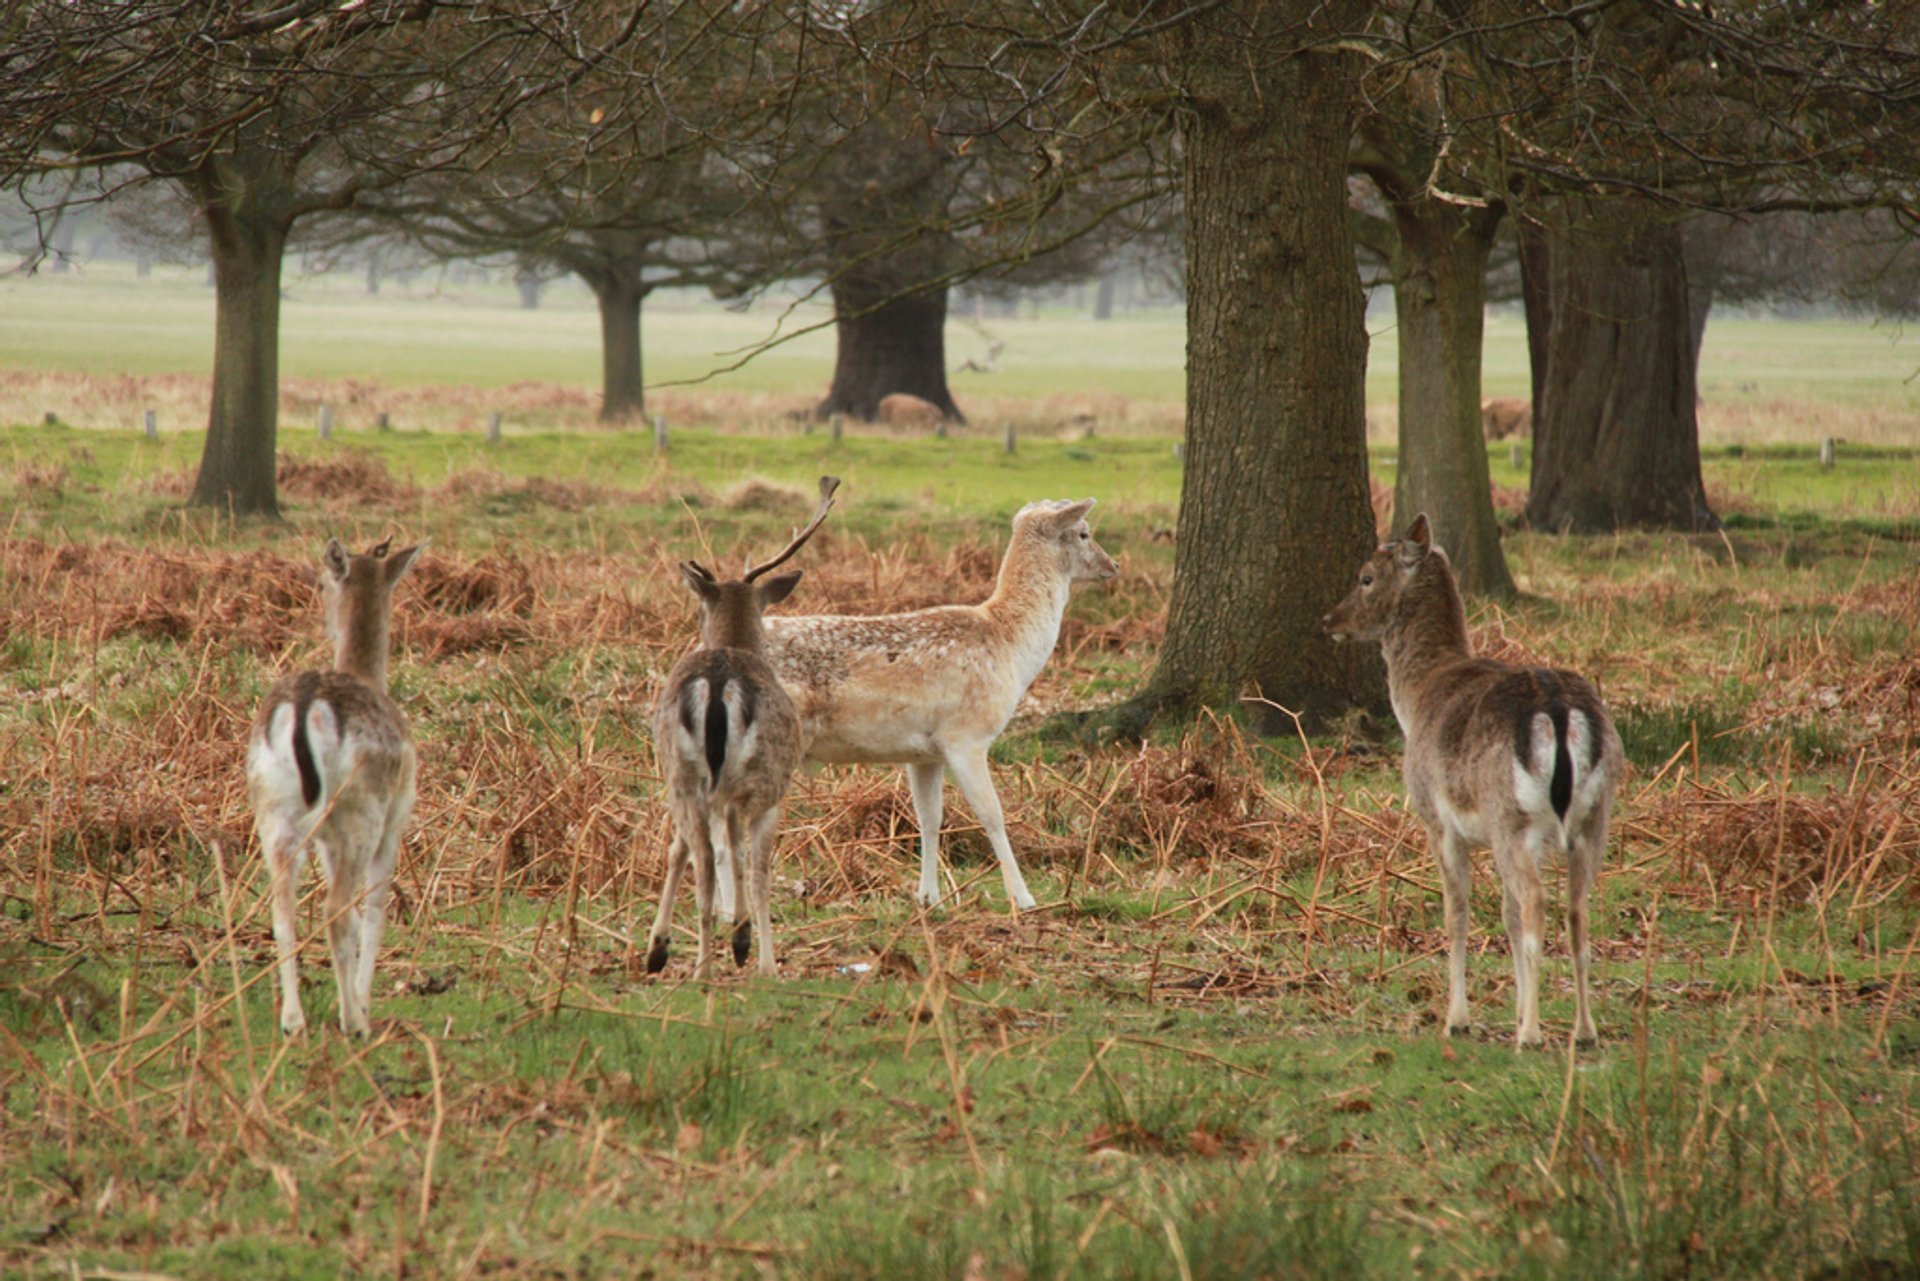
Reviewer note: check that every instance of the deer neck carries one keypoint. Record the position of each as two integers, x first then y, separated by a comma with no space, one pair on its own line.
1029,600
1429,631
360,641
733,622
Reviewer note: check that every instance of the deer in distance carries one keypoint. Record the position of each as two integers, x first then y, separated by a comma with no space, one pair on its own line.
330,767
728,740
1521,759
932,689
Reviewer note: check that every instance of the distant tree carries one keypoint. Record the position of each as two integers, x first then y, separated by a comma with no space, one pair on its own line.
1612,125
1616,437
265,113
647,177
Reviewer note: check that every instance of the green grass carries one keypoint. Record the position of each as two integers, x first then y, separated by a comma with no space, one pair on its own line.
1214,1053
1760,378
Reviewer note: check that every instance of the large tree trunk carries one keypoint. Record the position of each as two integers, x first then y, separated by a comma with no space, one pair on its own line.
1704,242
1539,311
620,294
1617,443
1274,512
1439,293
237,464
888,341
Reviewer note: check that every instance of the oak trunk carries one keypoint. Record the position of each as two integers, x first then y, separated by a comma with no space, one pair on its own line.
1616,440
622,390
1439,292
1274,511
888,341
237,462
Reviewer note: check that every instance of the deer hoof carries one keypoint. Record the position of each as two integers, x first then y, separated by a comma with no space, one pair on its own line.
657,956
742,943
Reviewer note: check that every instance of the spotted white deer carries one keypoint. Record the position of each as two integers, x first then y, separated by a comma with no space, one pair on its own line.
330,767
933,688
727,740
1522,759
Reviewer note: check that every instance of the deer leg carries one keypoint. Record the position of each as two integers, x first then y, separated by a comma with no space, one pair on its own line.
703,877
373,912
720,840
678,857
1456,896
738,850
280,841
760,889
1525,912
343,935
1583,864
976,785
924,778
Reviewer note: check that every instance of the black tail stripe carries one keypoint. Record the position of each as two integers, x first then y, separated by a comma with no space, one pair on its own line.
1560,788
716,727
303,749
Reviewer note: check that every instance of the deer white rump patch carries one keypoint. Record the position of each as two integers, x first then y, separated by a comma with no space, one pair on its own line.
1533,777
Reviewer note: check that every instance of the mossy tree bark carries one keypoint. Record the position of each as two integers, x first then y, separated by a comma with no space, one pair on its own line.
1275,516
620,293
1439,291
888,340
248,216
1616,437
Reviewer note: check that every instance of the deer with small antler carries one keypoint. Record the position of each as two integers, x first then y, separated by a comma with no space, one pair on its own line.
1522,759
728,739
330,767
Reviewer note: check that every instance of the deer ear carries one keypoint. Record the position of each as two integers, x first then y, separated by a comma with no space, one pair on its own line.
335,560
776,589
396,566
379,550
1070,514
700,579
1416,542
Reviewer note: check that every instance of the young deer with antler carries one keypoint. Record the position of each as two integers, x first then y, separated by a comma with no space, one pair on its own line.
728,739
1522,759
934,688
330,766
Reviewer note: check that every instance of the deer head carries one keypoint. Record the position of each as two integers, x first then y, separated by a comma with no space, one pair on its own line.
730,611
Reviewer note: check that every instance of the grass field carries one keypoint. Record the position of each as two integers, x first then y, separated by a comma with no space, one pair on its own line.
98,347
1213,1053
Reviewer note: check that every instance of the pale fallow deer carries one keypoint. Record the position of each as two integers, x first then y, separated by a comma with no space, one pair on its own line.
932,689
330,767
1522,759
727,740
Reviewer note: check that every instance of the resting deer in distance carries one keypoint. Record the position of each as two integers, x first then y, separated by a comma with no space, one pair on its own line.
330,766
728,740
1522,759
933,688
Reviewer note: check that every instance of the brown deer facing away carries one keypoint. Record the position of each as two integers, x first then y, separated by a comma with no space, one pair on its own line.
330,766
1522,759
727,739
933,688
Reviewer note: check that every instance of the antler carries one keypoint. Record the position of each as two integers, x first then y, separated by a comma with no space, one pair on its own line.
827,485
